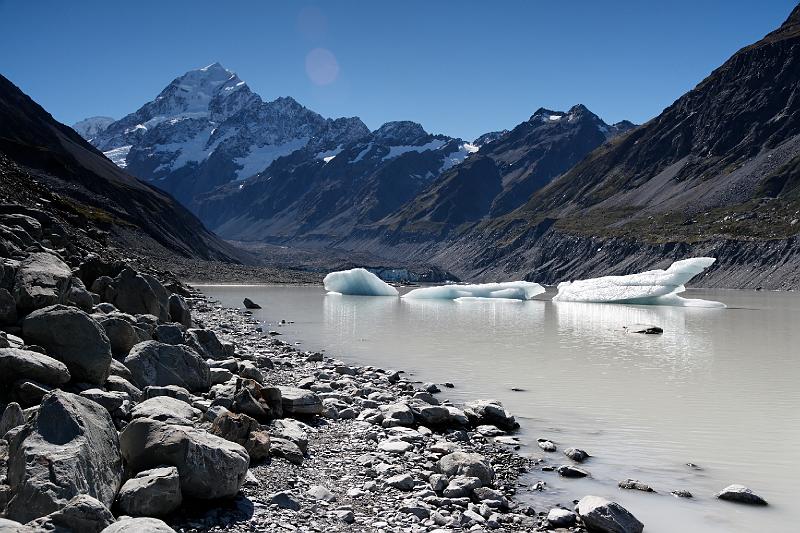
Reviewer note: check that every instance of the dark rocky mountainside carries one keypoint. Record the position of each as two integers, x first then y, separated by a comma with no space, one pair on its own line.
321,195
47,167
716,173
507,169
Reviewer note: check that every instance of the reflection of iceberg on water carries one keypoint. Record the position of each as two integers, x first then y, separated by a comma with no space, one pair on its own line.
357,282
654,287
510,290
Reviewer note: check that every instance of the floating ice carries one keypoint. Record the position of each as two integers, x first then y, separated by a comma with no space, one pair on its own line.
357,282
654,287
510,290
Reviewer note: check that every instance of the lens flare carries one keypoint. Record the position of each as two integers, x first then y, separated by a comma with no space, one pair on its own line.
321,66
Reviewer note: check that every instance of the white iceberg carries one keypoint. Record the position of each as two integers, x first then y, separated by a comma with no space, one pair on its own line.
654,287
510,290
357,282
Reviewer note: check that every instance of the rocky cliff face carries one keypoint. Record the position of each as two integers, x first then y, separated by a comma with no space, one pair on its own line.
207,128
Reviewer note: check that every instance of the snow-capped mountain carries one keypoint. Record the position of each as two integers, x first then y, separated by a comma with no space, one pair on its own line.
89,128
208,128
325,192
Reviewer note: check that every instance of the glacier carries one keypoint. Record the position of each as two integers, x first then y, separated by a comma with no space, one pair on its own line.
653,287
357,282
510,290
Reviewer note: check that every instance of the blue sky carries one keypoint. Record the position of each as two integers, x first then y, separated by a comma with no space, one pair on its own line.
460,68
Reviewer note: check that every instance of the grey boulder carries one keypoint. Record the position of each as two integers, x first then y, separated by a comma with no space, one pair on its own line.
17,364
42,279
740,494
13,416
154,363
134,293
166,409
491,412
466,464
82,513
297,401
155,492
120,332
209,466
139,525
206,343
599,514
74,338
70,447
179,311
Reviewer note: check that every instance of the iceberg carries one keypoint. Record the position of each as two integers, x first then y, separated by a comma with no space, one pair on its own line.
654,287
510,290
357,282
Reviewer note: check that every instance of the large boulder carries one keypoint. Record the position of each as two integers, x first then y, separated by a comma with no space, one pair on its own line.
120,332
166,409
139,525
134,293
12,417
297,401
74,338
599,514
209,466
82,513
155,363
155,492
243,430
8,308
492,412
12,526
466,464
17,364
206,343
70,447
179,311
42,279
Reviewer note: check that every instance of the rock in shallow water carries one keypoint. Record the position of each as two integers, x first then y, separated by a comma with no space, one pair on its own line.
599,514
740,494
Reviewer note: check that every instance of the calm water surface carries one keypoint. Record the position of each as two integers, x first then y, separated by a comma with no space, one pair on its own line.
719,388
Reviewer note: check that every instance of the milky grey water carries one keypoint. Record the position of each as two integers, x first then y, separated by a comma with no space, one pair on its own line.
719,388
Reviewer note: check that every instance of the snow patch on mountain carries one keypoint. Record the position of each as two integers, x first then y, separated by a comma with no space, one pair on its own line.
118,155
89,128
260,157
395,151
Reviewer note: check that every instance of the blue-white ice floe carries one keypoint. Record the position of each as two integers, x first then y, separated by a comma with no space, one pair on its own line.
510,290
357,282
654,287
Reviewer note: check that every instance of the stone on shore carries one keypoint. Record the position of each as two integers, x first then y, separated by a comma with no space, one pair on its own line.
70,447
74,338
154,363
155,492
18,364
599,514
402,482
12,417
285,500
492,412
82,513
250,304
168,410
134,293
179,311
558,517
209,466
42,280
120,332
139,525
206,343
296,401
466,464
12,526
740,494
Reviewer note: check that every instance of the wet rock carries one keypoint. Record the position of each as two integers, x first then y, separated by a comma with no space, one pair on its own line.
17,364
546,445
297,401
209,466
571,471
576,454
168,410
605,516
633,484
82,513
490,412
740,494
466,464
681,494
69,448
139,525
155,492
558,517
250,304
644,329
179,311
155,363
71,336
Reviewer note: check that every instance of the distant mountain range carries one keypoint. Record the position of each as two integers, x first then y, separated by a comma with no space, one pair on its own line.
560,195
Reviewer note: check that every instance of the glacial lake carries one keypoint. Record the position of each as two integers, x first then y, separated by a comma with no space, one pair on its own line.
720,388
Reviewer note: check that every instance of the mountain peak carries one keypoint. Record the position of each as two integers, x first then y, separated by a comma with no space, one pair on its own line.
402,131
794,17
